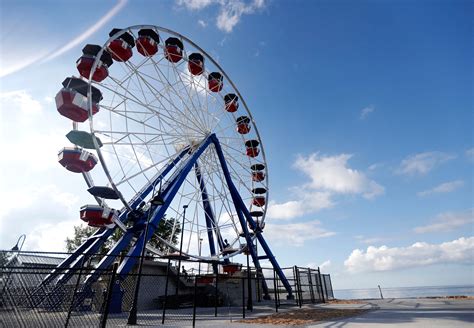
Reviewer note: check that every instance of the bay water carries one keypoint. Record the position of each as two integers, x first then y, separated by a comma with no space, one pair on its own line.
405,292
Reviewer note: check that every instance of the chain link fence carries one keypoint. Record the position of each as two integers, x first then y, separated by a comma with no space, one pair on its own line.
167,294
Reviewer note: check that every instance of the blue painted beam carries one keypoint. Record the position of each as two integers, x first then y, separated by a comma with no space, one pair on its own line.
91,246
210,221
238,202
159,212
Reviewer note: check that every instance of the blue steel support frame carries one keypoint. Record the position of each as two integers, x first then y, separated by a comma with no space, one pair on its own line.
66,268
168,194
94,242
242,210
159,212
210,220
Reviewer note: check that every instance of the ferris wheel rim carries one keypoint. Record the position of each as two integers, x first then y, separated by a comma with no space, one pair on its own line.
208,57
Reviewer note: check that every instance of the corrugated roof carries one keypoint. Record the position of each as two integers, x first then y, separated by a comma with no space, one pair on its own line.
28,259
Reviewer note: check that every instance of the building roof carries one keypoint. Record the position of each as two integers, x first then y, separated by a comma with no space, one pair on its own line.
29,259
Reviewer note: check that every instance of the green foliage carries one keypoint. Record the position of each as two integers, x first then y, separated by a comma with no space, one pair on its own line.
81,233
164,230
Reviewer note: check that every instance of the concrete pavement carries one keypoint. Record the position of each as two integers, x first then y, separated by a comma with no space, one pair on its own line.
407,313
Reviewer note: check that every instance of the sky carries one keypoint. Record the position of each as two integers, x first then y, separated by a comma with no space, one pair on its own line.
365,110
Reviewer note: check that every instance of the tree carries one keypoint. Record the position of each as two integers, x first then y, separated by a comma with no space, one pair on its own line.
165,230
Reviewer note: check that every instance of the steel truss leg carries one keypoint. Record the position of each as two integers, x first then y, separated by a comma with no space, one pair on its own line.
242,212
168,194
210,219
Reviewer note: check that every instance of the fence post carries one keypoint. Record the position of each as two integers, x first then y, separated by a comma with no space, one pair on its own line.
259,274
321,282
216,295
166,292
194,300
311,289
243,298
109,296
294,284
275,289
249,286
298,286
71,306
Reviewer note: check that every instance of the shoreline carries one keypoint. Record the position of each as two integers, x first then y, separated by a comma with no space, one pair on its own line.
405,292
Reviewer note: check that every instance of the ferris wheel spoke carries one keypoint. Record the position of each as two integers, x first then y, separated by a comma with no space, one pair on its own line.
244,168
173,122
157,94
197,208
222,194
154,165
138,136
190,112
198,96
203,110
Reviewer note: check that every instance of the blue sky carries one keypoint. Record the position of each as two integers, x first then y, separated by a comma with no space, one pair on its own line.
365,109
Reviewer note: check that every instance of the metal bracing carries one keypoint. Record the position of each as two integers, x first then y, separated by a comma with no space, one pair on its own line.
242,210
91,246
210,218
136,234
159,211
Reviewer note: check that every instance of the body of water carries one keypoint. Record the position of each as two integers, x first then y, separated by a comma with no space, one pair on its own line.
404,292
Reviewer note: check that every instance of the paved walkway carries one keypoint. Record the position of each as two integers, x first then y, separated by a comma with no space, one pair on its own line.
405,313
408,313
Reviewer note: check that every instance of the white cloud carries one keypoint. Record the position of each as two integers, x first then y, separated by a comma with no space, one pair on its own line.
12,63
448,221
372,240
50,237
419,254
230,11
90,31
470,154
375,166
423,163
331,173
39,198
310,202
202,23
443,188
48,99
366,111
323,266
195,4
36,136
296,234
329,176
22,100
45,214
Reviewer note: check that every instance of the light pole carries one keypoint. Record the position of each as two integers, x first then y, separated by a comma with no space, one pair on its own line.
16,248
200,248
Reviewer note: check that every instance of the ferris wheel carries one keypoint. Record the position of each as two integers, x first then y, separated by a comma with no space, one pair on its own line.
161,131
